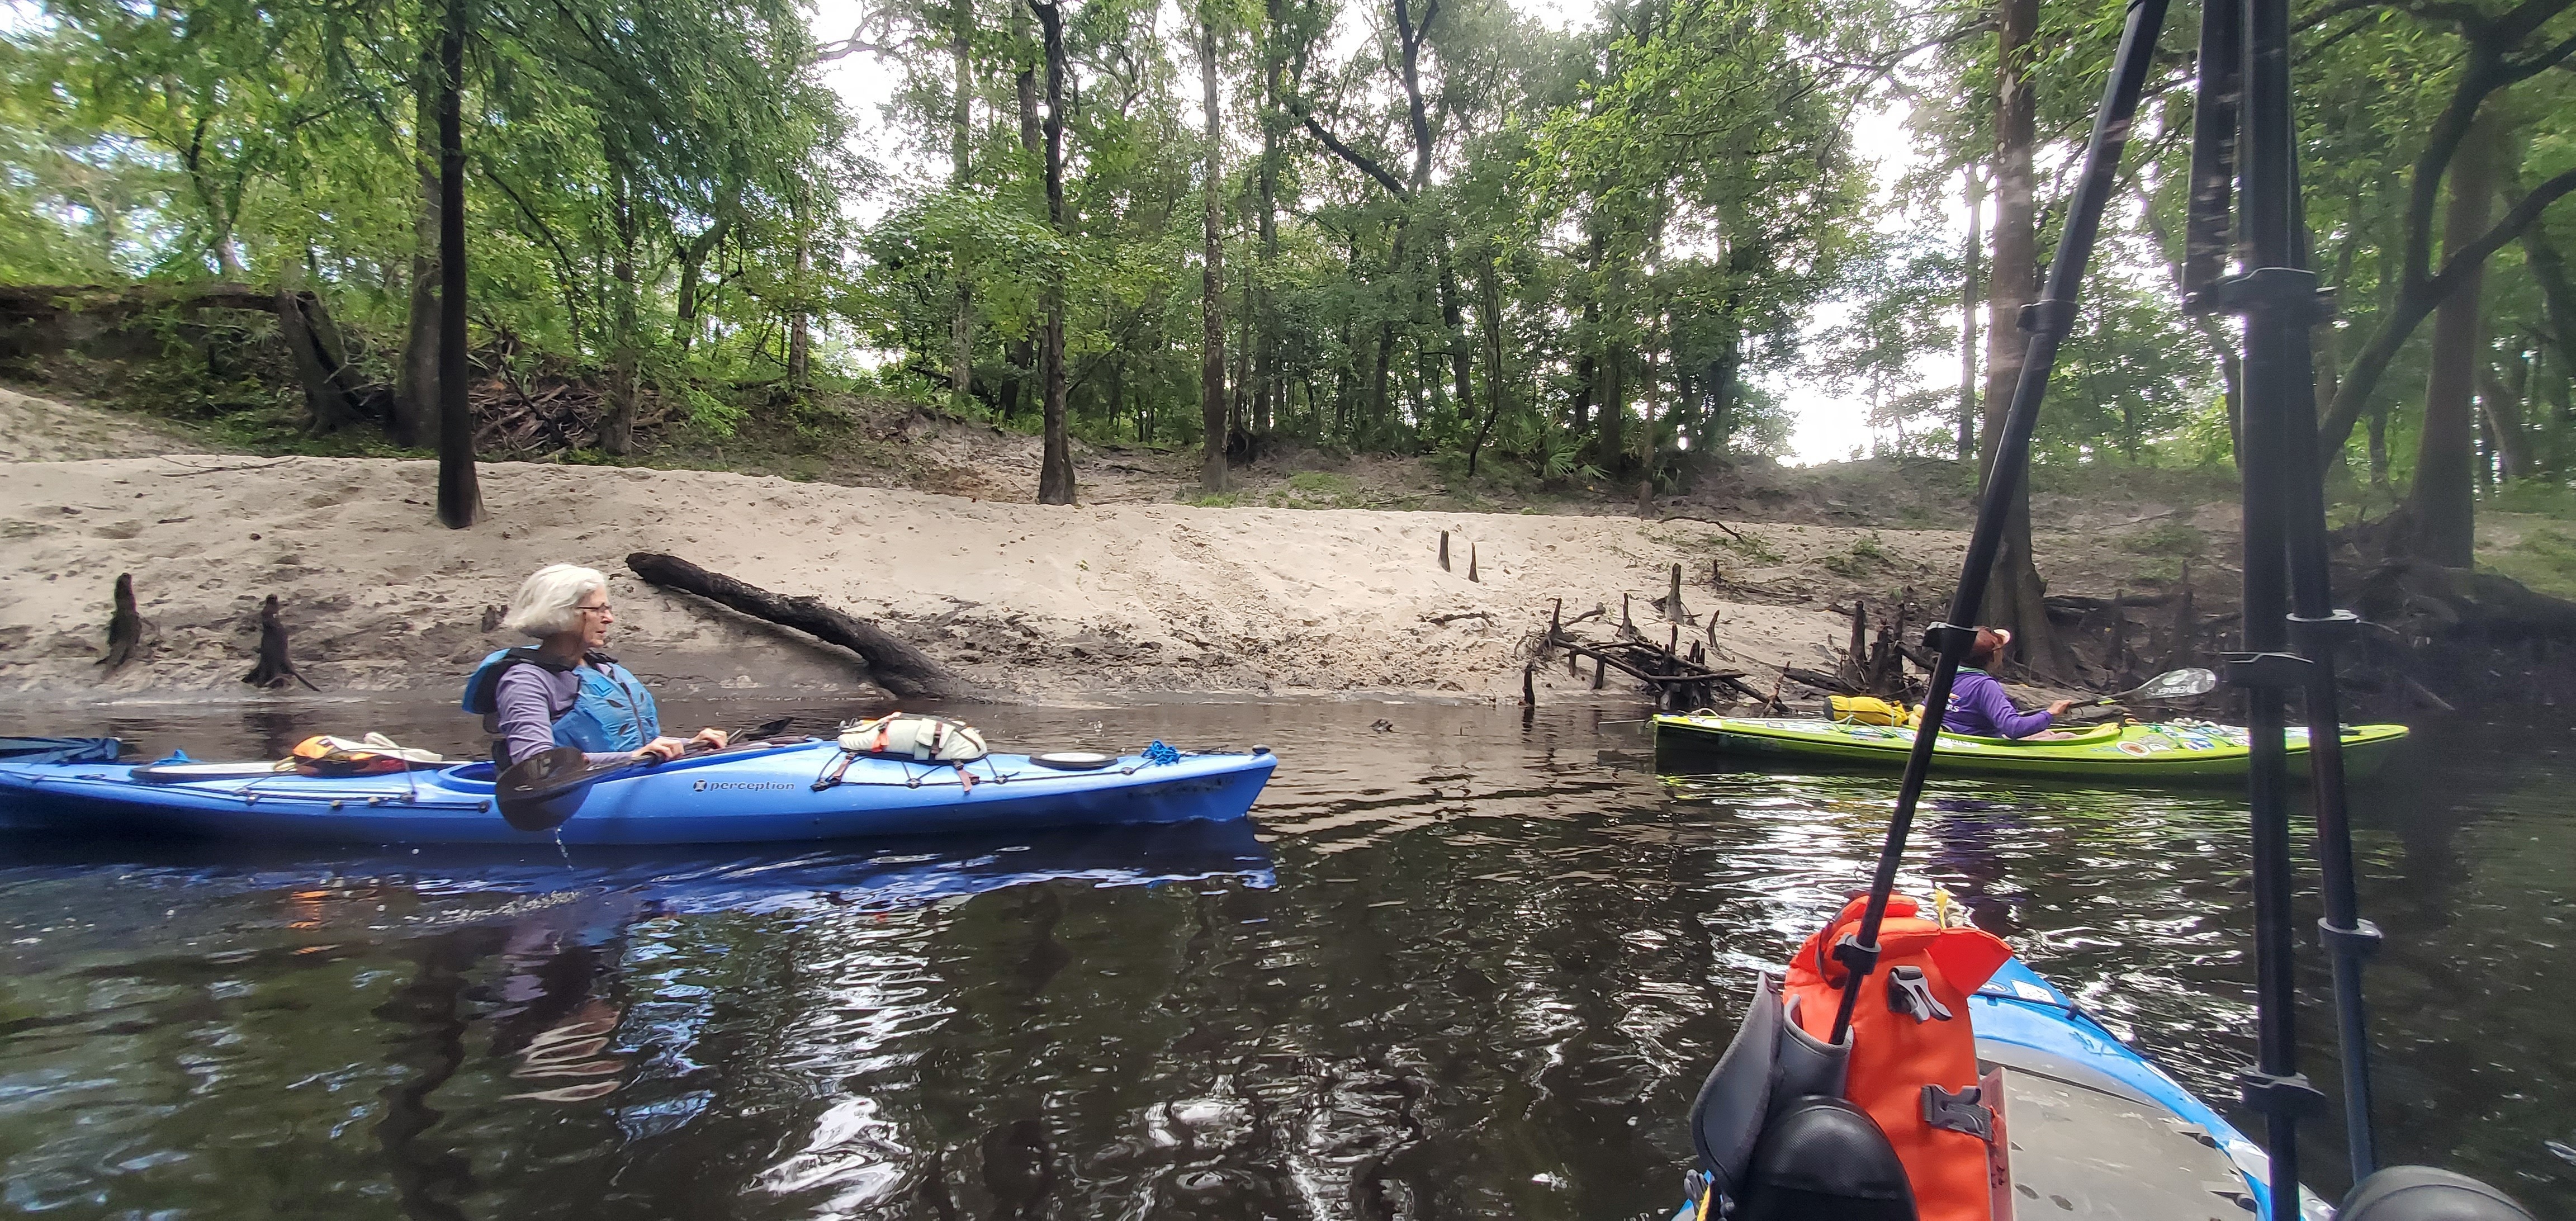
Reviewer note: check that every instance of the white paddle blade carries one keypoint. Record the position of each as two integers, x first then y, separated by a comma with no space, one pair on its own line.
2179,684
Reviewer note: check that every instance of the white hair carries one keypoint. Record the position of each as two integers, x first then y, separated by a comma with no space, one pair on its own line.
546,599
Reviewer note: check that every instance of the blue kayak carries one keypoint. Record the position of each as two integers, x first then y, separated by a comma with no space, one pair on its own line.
771,793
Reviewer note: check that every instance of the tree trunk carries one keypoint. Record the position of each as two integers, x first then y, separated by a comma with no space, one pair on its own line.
1021,352
2557,294
2015,595
1266,357
1648,408
1722,376
1212,405
460,498
1453,320
1489,311
617,424
1612,446
2501,406
2325,339
1024,88
2443,502
1969,253
961,118
1239,432
1378,373
2014,277
2379,446
693,259
1587,377
800,320
1055,467
310,340
415,412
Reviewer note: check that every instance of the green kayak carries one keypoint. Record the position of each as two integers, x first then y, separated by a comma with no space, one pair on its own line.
2166,752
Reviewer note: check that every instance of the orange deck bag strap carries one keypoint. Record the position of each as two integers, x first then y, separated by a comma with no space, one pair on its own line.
1913,1056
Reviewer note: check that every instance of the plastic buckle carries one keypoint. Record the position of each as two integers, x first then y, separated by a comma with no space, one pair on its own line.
2362,940
2271,1094
2273,670
2319,635
2290,290
1909,993
1856,958
1964,1111
2050,316
1940,637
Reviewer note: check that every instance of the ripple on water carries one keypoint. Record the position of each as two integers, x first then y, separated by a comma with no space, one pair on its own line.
1464,967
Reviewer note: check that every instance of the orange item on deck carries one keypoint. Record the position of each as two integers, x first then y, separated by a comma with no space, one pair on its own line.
1902,1042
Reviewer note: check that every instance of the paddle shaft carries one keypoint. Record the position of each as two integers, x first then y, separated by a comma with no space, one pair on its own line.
2048,321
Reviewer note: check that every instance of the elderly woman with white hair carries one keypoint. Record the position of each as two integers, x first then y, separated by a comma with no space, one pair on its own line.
563,691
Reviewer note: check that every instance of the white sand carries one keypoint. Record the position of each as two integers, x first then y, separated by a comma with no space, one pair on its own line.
1027,601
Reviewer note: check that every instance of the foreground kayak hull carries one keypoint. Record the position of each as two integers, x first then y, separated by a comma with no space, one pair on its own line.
2097,1132
2174,753
780,794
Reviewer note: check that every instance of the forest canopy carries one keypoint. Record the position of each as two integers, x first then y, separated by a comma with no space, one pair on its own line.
1597,254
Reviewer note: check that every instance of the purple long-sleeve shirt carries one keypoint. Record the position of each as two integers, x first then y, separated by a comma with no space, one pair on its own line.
1978,706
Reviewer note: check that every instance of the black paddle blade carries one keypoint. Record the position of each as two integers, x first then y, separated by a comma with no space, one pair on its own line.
526,790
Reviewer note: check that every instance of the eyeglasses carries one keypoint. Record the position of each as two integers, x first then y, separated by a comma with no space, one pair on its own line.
600,609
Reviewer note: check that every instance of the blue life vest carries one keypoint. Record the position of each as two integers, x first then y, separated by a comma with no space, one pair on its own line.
612,712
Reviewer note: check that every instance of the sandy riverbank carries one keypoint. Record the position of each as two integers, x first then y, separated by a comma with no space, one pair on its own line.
1027,601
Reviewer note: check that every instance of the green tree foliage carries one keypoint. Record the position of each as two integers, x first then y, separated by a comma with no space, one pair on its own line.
655,193
1602,254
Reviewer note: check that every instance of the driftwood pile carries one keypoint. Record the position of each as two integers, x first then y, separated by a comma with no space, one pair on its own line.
545,412
1679,680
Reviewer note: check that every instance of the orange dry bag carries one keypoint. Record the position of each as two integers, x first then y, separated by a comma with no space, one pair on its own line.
1913,1056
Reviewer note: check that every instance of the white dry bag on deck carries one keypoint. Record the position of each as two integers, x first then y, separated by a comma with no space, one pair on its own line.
928,739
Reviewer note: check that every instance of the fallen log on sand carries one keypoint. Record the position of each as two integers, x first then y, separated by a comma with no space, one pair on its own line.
895,665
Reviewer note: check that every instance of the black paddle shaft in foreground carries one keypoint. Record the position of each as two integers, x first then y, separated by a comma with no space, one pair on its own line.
2047,320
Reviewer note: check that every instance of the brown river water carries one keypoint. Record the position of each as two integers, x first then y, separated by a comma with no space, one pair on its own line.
1456,966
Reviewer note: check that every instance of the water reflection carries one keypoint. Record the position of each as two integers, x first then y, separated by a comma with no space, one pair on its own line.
1468,967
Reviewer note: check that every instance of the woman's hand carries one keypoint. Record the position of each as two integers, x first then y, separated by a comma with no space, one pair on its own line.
2059,708
664,750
